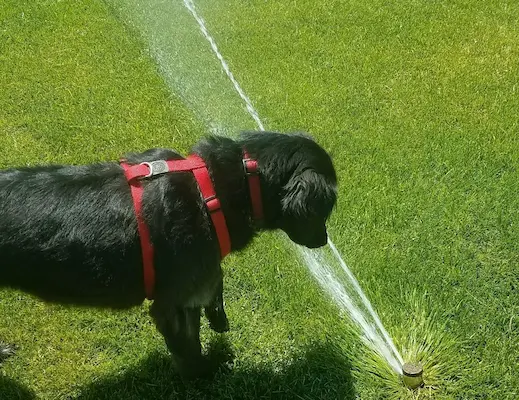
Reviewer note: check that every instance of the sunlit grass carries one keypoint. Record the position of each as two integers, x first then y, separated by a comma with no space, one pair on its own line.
417,104
422,338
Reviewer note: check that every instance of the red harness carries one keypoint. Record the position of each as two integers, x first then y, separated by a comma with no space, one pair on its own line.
135,173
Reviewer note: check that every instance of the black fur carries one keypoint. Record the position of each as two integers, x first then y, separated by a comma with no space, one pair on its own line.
6,351
69,234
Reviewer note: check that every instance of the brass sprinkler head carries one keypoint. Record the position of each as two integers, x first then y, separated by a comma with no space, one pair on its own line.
412,375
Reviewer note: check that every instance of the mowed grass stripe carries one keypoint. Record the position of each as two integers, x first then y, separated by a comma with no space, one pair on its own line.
74,80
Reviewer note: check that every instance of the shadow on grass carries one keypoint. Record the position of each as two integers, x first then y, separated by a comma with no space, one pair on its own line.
320,373
12,390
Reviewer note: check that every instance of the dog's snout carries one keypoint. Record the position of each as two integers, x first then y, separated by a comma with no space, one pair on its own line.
320,241
324,239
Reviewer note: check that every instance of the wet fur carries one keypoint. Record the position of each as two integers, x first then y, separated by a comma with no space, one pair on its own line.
68,234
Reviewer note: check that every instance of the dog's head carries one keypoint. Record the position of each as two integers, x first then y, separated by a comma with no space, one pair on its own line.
306,203
299,183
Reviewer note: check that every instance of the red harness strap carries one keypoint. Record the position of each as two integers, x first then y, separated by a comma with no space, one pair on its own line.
251,170
144,234
134,174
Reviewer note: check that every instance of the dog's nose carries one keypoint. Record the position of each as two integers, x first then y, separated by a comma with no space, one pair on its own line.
325,240
319,240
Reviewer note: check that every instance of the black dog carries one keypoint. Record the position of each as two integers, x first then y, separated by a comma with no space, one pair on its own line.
69,233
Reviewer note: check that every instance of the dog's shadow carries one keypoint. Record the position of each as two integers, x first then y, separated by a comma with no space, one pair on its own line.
320,373
12,390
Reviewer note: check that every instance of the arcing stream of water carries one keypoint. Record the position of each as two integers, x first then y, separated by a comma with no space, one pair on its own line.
325,264
342,286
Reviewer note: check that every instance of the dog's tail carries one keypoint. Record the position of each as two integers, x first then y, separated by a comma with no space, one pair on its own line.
6,351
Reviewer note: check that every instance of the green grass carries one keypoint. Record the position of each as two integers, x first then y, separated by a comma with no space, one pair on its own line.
416,101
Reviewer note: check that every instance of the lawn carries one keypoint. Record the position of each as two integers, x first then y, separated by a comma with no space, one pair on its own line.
416,101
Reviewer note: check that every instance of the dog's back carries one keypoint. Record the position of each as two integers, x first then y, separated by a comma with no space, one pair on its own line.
66,231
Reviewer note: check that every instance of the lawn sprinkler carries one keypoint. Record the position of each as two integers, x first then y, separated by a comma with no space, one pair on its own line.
412,375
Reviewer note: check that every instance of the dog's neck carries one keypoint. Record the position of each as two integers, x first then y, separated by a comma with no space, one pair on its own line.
224,159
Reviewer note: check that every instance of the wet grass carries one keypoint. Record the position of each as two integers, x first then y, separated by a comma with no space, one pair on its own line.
417,103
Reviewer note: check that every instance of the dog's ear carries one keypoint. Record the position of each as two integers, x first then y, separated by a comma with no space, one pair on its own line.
308,193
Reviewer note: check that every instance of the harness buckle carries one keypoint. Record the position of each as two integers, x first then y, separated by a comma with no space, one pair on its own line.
250,166
156,167
213,204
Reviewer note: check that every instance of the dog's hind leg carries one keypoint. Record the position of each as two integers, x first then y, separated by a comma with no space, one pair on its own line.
180,327
215,312
6,351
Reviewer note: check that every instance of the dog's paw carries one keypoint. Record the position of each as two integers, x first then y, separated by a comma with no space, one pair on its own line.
204,368
221,354
219,360
218,321
6,351
219,326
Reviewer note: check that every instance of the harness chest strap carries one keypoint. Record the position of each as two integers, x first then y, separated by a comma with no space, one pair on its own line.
144,233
